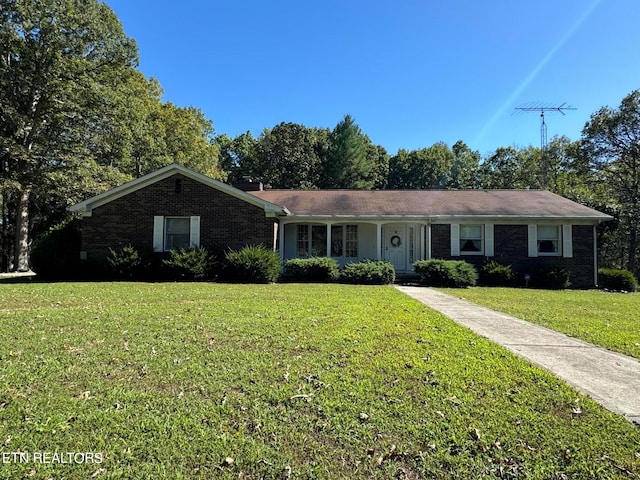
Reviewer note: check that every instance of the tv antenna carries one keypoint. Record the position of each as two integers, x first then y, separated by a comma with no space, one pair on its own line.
542,108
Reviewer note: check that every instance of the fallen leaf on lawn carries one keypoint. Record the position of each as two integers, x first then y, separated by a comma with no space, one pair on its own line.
306,397
454,400
100,471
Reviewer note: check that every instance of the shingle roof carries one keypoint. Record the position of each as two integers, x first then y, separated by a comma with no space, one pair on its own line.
429,203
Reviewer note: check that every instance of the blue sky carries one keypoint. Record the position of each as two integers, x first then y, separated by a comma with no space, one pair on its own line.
410,72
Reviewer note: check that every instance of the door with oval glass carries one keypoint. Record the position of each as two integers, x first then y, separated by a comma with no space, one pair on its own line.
395,249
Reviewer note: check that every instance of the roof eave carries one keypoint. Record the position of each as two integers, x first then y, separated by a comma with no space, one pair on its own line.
86,207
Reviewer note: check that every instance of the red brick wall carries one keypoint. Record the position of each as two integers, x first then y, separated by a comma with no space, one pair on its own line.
225,221
511,248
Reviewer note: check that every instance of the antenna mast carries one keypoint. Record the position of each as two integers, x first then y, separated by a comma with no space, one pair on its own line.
544,108
543,129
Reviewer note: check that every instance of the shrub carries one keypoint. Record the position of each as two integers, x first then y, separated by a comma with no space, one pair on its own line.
252,264
551,277
189,264
494,274
56,255
369,272
128,262
315,269
446,273
617,280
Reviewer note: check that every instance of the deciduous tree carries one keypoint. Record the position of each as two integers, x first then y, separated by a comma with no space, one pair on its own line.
611,139
61,60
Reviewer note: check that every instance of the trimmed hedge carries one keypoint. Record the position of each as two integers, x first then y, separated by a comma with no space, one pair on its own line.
494,274
252,264
314,269
617,280
446,273
56,255
368,272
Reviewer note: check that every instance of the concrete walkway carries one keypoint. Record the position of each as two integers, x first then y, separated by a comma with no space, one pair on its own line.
612,379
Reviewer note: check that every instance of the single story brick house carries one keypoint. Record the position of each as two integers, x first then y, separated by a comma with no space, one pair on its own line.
176,207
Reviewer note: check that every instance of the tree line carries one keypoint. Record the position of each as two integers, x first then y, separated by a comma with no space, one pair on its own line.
77,118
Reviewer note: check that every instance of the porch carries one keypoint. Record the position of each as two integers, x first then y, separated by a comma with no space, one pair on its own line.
347,241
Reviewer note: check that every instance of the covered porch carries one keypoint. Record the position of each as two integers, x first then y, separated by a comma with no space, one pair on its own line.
349,240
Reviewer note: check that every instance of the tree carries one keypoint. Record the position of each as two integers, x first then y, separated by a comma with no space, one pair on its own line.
348,164
285,157
61,61
424,169
380,172
508,167
146,134
185,137
464,170
237,155
611,139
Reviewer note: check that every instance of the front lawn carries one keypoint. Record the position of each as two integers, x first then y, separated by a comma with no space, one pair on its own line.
280,381
607,319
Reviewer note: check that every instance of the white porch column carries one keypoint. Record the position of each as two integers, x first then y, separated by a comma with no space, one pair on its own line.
329,239
378,241
281,227
422,241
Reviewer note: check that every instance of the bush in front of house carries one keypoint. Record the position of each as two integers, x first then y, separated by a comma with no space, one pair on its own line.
314,269
252,264
192,264
552,277
494,274
368,272
56,255
128,263
617,280
446,273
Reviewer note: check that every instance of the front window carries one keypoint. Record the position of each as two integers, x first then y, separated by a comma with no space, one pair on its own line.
548,240
311,241
177,233
337,232
302,242
471,239
412,245
319,241
351,243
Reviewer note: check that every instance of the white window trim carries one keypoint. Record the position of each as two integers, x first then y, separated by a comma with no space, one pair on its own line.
567,241
455,239
159,231
328,254
487,239
565,238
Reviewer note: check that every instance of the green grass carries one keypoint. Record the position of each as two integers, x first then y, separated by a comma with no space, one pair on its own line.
284,381
607,319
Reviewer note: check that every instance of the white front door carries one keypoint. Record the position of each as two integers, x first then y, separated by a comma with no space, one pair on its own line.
395,246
